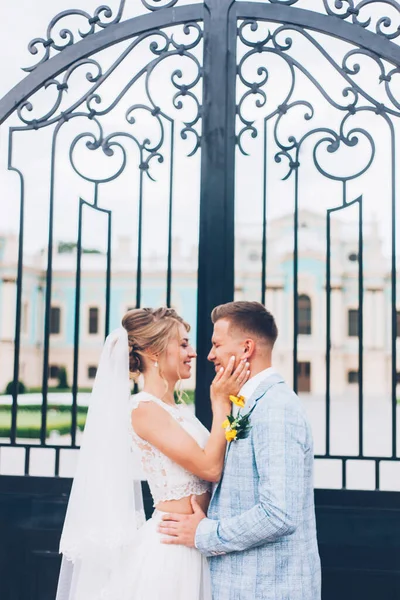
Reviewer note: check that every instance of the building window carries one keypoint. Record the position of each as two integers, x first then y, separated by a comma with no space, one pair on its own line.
353,322
91,372
352,376
93,320
54,371
304,369
304,376
55,319
304,316
398,323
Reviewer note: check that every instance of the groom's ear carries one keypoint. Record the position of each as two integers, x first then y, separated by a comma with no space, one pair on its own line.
249,347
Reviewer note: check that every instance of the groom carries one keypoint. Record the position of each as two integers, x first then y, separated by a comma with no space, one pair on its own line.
260,530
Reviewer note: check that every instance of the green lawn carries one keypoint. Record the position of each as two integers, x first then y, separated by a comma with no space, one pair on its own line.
58,418
29,422
57,390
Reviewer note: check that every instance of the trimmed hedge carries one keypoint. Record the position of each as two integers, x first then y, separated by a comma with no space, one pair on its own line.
21,388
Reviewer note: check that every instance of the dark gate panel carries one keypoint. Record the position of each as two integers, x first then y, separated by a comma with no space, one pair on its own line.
32,511
358,535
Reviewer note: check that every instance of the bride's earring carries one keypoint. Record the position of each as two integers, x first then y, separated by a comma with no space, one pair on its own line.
156,364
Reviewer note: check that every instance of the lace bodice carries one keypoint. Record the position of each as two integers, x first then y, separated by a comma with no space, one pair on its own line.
168,480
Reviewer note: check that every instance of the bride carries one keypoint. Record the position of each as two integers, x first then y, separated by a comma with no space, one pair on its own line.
109,551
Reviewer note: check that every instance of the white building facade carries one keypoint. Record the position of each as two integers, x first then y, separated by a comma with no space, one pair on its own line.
312,303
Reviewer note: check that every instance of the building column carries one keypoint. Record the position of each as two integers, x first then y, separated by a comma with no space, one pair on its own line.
8,300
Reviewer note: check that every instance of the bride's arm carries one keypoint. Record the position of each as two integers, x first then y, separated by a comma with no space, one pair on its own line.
156,426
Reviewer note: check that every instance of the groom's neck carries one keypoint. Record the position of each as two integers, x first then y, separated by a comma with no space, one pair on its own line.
260,364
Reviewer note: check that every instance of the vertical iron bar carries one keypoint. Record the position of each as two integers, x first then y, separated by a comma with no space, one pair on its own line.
57,463
345,204
96,194
264,231
108,276
328,336
27,460
344,473
171,182
360,326
139,246
377,475
49,275
393,276
217,192
17,340
77,325
296,277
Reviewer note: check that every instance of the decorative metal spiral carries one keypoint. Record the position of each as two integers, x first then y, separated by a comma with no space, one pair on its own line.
358,100
58,37
90,105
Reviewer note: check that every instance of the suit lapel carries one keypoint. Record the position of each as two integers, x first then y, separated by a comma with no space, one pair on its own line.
262,389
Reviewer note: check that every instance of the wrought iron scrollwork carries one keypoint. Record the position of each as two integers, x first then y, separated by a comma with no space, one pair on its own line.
61,86
279,43
102,17
58,37
154,5
108,144
356,12
90,105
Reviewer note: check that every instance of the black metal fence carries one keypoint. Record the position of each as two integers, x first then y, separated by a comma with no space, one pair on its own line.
219,86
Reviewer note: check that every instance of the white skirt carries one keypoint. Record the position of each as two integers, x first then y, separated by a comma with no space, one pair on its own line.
160,571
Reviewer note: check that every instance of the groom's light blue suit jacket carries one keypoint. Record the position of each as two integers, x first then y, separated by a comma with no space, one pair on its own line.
260,532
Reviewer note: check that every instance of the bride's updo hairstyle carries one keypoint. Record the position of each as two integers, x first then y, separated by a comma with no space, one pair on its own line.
149,332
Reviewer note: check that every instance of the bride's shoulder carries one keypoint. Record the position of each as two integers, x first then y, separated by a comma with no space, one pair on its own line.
137,399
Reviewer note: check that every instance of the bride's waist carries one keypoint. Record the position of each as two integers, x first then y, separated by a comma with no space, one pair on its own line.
184,505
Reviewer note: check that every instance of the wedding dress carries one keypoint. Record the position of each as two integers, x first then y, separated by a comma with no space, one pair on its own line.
159,571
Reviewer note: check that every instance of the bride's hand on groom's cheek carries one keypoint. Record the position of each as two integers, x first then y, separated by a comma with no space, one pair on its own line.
229,381
181,529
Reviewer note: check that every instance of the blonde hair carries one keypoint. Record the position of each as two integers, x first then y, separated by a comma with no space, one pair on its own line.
149,331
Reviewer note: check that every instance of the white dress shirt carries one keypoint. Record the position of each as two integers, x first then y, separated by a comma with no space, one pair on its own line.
251,385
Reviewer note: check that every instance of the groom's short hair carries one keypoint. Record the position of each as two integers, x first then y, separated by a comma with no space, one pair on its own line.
250,317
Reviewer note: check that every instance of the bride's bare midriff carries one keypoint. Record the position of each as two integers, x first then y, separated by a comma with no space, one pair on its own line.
184,506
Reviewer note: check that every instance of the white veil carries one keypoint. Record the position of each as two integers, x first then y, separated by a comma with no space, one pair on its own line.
106,505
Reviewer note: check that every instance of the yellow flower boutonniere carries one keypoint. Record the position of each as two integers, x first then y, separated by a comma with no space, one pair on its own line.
230,434
240,401
237,428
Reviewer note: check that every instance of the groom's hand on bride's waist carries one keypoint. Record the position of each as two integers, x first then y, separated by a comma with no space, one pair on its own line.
181,529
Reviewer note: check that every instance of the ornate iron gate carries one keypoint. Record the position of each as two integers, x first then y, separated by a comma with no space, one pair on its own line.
219,50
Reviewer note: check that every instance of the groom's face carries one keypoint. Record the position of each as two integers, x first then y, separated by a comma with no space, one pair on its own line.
226,342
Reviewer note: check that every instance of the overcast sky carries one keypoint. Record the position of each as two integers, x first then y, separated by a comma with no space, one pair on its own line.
24,20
